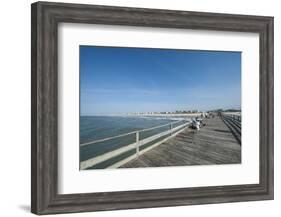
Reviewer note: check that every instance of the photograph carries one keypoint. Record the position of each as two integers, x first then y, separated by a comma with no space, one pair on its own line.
158,107
137,106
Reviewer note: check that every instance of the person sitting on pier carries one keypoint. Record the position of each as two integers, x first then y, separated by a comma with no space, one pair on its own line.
196,124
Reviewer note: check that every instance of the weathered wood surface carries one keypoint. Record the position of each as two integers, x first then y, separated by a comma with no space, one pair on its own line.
212,144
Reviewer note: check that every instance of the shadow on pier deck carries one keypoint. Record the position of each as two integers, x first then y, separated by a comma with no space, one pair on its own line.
214,143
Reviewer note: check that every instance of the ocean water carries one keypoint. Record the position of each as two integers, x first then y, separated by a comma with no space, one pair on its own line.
100,127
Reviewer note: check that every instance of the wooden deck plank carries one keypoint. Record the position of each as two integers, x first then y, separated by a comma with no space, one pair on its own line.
212,144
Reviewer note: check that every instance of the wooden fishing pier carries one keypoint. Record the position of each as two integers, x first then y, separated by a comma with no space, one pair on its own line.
217,142
214,143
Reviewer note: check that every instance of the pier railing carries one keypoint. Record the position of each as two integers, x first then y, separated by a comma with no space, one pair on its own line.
233,122
174,128
233,116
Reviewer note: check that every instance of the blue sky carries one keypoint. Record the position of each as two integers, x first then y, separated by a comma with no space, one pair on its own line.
119,80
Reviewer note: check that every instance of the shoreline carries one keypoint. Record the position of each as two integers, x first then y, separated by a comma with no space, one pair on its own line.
144,115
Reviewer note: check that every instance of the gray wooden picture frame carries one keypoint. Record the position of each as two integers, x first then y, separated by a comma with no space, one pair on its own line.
44,167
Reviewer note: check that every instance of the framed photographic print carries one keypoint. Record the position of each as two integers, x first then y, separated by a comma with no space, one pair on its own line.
135,108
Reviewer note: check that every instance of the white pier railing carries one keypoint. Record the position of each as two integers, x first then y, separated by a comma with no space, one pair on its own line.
233,116
174,128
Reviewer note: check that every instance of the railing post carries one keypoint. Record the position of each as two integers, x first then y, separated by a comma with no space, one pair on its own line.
171,127
137,142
